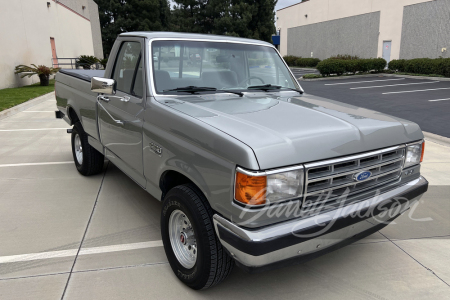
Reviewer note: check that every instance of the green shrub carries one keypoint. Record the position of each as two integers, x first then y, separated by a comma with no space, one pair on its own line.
331,66
295,61
352,66
365,65
397,65
442,67
345,57
306,62
379,64
421,65
341,66
290,59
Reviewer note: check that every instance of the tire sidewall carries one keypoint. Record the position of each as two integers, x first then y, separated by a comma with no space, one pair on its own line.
77,130
197,276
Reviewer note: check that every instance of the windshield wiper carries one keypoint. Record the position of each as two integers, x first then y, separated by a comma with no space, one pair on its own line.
195,89
191,89
268,87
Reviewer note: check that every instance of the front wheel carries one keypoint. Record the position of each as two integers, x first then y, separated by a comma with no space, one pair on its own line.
195,254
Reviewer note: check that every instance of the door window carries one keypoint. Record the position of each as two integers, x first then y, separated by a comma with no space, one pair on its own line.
125,67
138,83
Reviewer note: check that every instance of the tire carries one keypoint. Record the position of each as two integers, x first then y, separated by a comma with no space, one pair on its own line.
87,159
212,264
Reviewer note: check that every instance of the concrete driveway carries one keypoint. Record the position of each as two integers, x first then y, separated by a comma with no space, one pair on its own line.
65,236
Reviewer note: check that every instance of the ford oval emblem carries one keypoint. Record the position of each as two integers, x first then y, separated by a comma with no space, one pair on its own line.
362,176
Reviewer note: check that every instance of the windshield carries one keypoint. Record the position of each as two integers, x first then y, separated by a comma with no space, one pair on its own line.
182,65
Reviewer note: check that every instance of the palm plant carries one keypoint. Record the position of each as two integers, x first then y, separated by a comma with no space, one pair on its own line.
103,62
86,61
42,71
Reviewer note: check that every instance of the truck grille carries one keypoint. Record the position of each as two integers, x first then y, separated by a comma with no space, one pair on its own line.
333,180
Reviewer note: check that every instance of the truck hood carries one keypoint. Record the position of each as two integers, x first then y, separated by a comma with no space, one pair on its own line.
286,129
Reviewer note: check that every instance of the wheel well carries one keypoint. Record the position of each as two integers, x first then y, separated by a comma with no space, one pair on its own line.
171,179
73,115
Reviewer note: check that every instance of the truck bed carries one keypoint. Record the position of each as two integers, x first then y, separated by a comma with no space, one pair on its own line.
85,75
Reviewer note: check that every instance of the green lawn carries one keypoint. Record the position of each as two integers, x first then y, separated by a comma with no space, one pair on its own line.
14,96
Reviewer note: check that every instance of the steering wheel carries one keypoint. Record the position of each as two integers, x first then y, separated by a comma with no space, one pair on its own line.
250,78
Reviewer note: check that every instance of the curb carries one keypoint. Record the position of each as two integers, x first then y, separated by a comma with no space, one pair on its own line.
24,106
377,75
346,77
304,68
441,140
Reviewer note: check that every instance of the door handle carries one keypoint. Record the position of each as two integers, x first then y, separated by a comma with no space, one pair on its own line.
112,118
125,99
103,98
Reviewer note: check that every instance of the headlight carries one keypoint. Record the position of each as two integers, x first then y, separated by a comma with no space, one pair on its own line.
258,188
414,154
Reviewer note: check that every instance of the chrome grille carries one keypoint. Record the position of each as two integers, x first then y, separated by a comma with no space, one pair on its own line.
330,180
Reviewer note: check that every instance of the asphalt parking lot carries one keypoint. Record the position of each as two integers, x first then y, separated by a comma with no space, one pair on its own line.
423,101
65,236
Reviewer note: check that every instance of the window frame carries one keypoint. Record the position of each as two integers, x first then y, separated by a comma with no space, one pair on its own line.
149,71
131,91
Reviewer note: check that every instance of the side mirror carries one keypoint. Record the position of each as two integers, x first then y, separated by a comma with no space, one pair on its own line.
103,85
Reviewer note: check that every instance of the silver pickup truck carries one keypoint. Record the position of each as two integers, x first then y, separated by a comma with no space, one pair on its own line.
250,171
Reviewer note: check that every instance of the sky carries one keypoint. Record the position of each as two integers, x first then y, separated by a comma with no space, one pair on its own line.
285,3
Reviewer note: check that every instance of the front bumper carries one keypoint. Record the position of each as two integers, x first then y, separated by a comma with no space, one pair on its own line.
300,240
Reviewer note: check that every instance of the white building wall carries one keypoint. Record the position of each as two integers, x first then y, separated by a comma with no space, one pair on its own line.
26,28
391,17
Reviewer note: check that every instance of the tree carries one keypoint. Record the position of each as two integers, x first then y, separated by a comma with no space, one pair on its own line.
188,15
117,16
243,18
262,23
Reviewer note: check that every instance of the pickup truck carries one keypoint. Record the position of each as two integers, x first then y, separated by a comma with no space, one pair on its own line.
251,171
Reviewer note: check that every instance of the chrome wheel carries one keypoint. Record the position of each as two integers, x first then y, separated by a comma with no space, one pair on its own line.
78,149
182,239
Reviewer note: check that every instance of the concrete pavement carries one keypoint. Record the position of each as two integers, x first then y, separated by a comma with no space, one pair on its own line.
66,236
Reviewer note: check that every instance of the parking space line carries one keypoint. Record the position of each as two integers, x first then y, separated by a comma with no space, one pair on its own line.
364,81
32,129
73,252
439,100
37,111
417,91
379,86
36,164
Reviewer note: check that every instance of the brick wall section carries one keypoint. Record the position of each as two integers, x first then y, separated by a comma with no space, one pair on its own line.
356,35
426,30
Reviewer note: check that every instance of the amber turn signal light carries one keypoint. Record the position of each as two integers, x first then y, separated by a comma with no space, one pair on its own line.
250,190
423,151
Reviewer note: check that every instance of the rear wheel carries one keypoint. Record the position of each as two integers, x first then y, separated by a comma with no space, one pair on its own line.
195,254
87,159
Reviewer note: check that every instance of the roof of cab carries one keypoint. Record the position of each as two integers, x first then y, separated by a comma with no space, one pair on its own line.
181,35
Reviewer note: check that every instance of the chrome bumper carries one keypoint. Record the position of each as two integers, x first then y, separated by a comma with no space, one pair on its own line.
301,240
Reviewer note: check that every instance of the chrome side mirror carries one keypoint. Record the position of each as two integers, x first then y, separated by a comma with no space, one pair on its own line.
103,85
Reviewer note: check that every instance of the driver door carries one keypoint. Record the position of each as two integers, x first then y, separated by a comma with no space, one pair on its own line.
120,115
